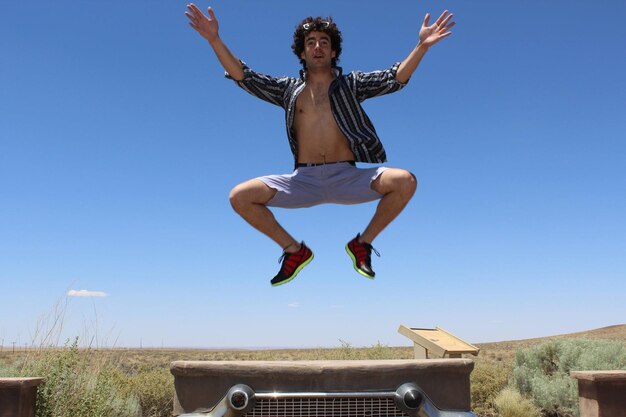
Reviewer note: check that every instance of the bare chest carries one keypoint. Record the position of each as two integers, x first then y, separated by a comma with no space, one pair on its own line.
313,102
317,133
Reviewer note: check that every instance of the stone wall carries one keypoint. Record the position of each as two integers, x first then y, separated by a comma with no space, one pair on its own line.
202,384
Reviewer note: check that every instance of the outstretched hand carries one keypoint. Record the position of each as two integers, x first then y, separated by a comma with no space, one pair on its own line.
430,35
207,27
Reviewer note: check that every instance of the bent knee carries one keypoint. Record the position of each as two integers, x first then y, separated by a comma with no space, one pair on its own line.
404,182
398,181
237,197
408,183
250,192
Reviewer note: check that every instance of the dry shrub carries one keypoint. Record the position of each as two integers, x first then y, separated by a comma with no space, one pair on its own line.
511,403
155,390
487,380
77,384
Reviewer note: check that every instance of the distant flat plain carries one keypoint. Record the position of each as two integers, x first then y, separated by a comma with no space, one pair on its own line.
159,357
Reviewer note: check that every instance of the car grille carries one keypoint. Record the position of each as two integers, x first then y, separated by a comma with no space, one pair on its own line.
242,401
326,406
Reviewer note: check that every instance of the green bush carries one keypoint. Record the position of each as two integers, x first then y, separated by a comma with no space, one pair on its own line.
510,403
77,386
487,380
154,389
542,372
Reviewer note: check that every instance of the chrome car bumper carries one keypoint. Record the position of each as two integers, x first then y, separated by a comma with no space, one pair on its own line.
406,401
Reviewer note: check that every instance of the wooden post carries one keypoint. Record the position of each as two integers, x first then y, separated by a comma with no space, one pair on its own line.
420,352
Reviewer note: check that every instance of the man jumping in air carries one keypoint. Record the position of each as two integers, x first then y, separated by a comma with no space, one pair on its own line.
328,132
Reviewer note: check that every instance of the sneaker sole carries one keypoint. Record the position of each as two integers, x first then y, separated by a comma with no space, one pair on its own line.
354,264
296,272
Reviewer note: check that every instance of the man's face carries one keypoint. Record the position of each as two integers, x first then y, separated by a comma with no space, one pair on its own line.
318,52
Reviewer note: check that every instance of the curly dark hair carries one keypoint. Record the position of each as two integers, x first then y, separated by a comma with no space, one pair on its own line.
317,24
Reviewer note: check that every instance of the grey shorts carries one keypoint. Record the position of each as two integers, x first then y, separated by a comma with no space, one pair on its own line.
340,183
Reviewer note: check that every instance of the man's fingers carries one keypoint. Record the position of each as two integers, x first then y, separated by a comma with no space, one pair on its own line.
443,15
426,18
446,20
211,13
194,10
191,17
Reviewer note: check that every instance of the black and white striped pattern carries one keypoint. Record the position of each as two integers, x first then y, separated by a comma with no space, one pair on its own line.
346,94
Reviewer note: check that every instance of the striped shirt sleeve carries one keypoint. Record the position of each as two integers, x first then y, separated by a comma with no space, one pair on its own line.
268,88
376,83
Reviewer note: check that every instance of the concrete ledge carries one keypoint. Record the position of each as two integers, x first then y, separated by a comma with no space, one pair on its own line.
201,384
601,393
18,396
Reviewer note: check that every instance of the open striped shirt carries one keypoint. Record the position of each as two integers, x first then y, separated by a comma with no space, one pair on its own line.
346,93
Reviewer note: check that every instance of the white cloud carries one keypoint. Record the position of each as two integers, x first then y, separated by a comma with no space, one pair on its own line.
293,305
86,293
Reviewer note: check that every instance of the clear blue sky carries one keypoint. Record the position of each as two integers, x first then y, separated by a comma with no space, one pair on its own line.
120,140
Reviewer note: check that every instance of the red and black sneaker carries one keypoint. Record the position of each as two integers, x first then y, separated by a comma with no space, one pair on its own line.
361,255
292,264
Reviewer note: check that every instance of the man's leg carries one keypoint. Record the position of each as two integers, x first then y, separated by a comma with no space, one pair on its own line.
248,199
397,187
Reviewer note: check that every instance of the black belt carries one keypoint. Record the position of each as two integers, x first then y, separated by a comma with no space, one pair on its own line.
316,164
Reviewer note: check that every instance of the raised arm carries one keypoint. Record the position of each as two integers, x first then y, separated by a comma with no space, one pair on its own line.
428,36
208,28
